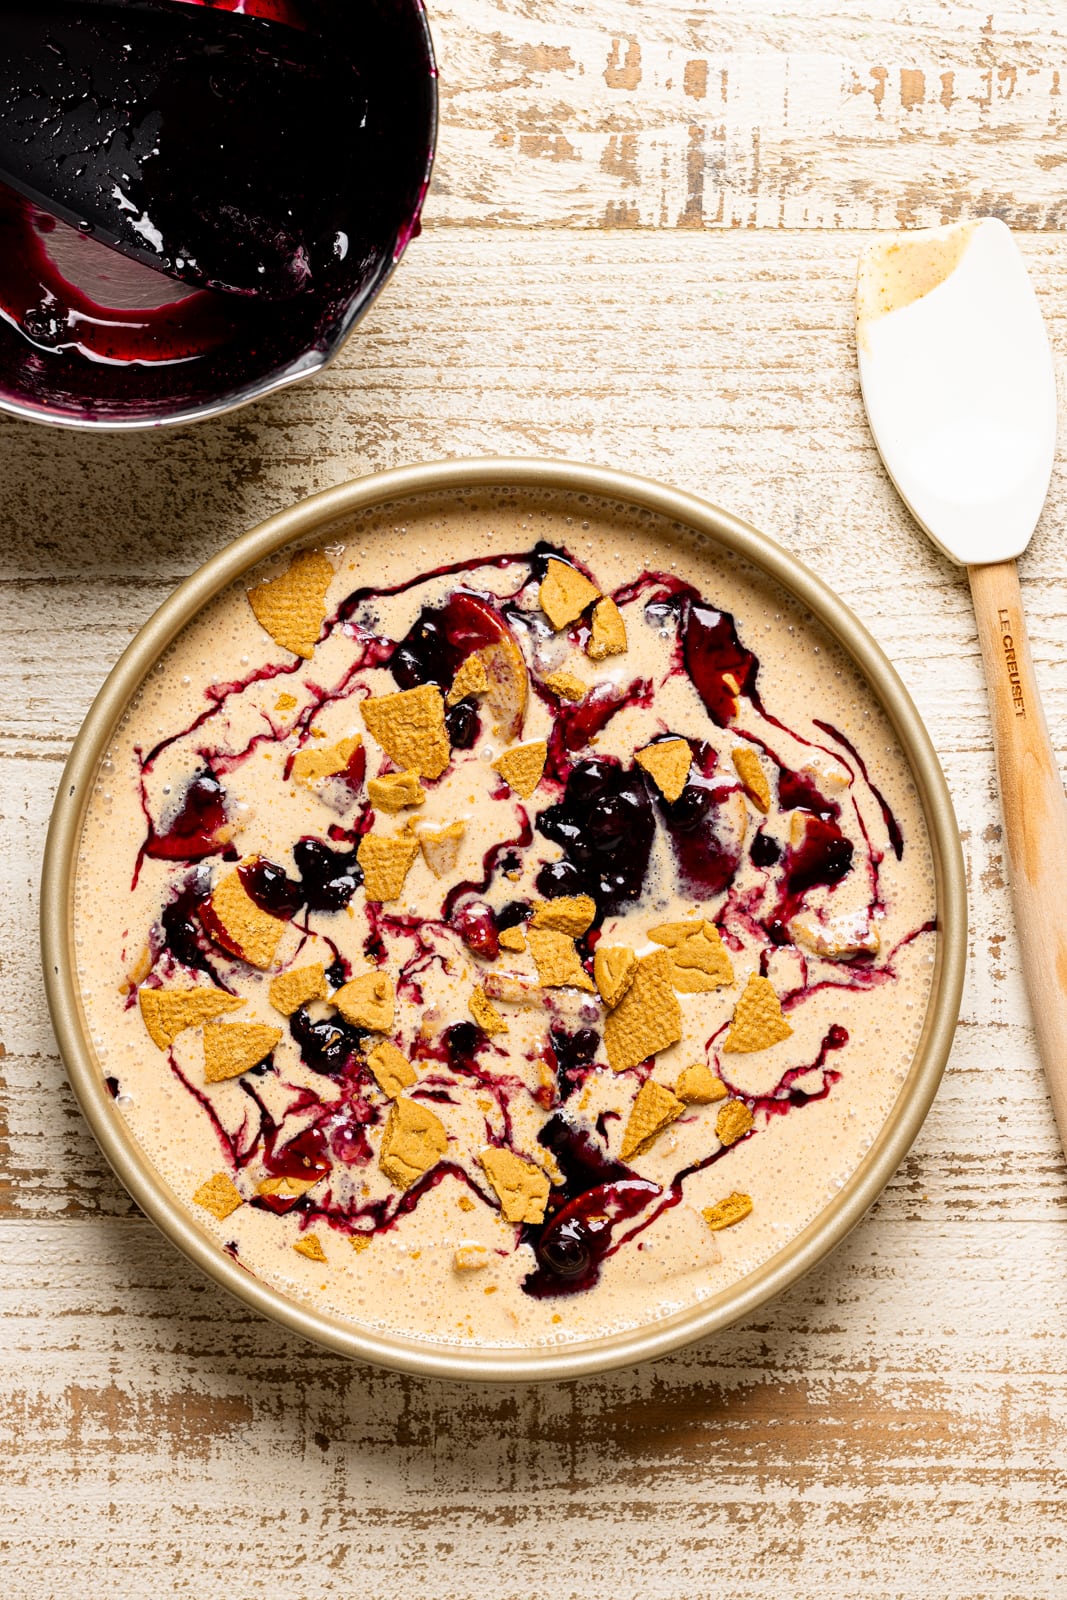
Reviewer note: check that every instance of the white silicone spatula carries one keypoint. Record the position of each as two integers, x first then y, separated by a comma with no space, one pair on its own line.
957,378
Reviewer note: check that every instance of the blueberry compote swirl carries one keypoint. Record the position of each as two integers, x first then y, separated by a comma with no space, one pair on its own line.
772,847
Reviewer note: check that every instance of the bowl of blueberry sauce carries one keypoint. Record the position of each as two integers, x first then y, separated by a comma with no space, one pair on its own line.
199,199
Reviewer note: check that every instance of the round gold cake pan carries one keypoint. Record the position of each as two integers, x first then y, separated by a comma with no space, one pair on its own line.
313,519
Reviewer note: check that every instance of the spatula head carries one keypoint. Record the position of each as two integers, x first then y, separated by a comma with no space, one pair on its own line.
958,382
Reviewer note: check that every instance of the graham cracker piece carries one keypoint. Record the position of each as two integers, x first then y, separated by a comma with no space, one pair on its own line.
286,702
410,727
385,863
700,962
233,920
749,769
667,763
311,765
391,1068
471,678
368,1001
360,1241
654,1109
725,1213
470,1257
288,1188
521,1187
614,969
414,1141
291,990
556,959
219,1195
567,685
565,593
647,1019
607,634
168,1012
440,846
395,791
509,686
465,1203
292,608
310,1246
671,933
485,1013
521,766
698,1086
512,939
230,1048
571,913
733,1122
757,1021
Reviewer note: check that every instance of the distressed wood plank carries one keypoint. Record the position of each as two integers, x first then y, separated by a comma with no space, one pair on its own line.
746,115
884,1395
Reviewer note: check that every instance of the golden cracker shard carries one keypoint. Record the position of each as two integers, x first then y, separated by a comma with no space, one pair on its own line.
414,1141
557,961
219,1195
607,634
733,1122
291,990
440,846
567,685
512,939
570,913
471,678
667,763
758,1021
392,1070
232,919
565,593
410,727
485,1013
292,608
749,769
310,1246
654,1109
648,1018
521,766
368,1001
231,1048
395,791
311,765
385,864
698,1086
700,962
521,1187
614,969
725,1213
288,1188
168,1012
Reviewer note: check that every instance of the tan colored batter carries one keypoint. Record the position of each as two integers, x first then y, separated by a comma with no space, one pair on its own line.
404,1278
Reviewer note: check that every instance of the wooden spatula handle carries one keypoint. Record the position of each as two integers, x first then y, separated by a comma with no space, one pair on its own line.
1035,815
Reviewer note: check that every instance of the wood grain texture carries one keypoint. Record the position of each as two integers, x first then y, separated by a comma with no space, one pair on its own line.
586,286
742,115
1034,809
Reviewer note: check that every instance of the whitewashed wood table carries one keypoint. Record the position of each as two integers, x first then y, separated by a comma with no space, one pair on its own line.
639,250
